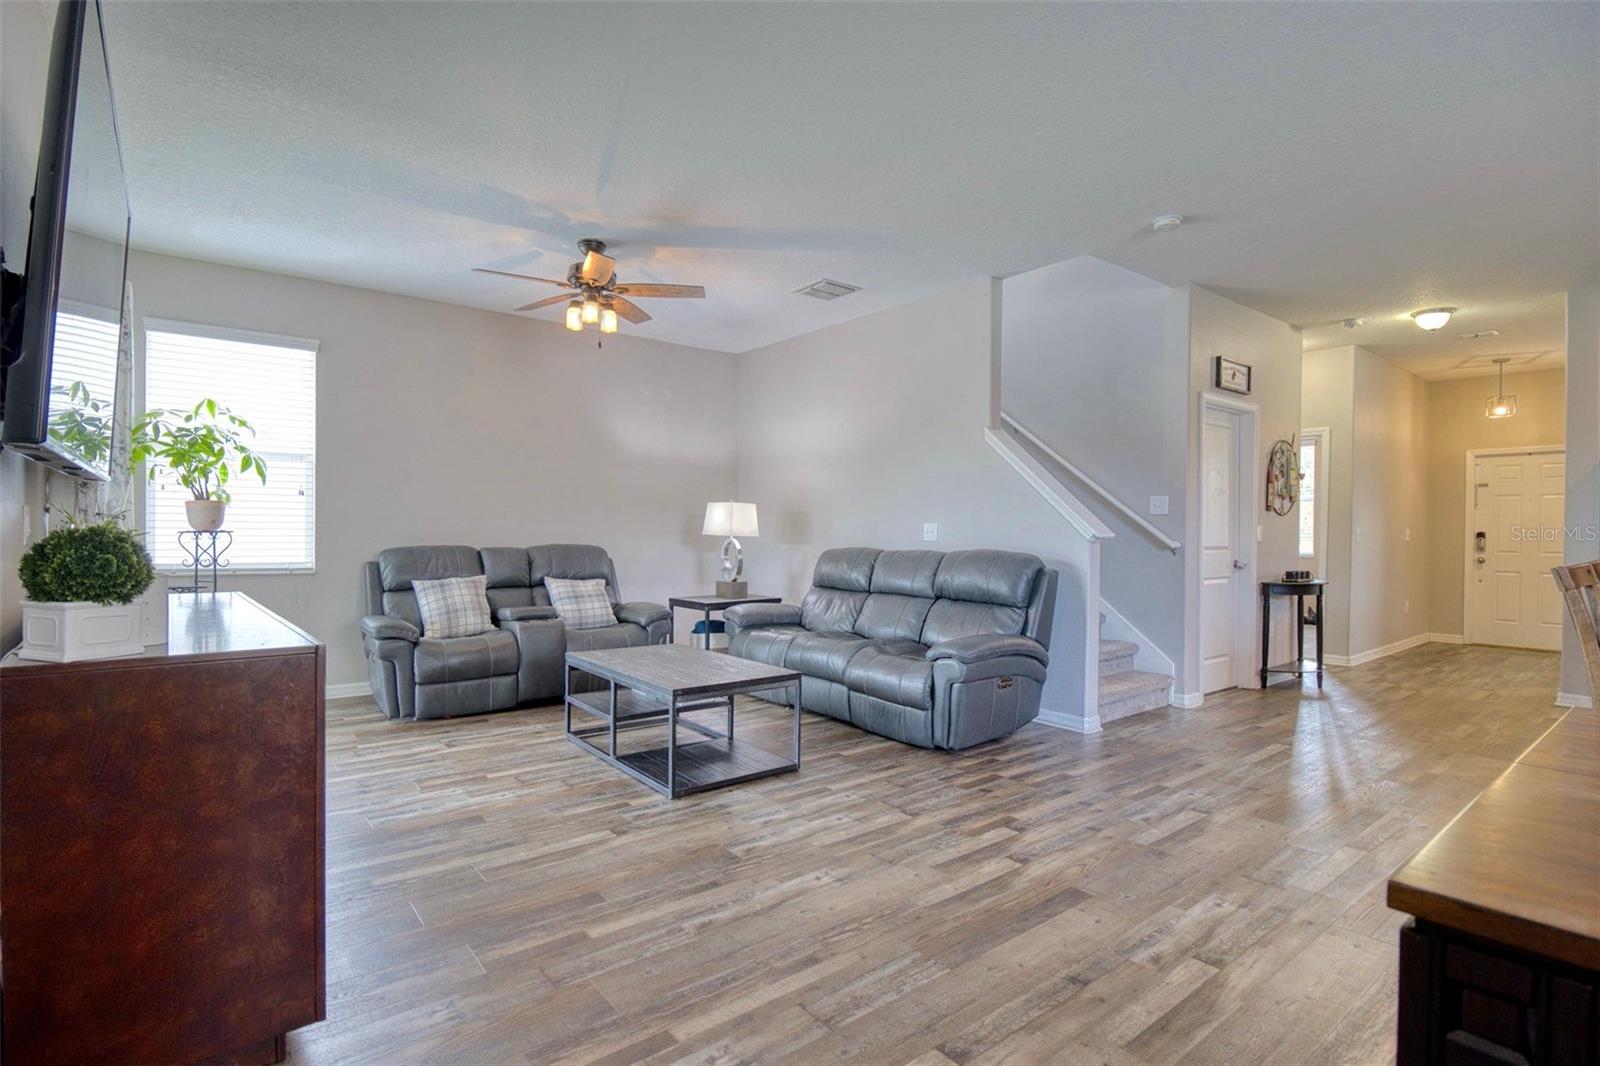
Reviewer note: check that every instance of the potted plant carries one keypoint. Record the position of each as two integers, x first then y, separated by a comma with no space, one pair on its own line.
201,447
82,582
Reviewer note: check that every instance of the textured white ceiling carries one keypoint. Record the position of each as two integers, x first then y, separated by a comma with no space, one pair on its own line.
1334,160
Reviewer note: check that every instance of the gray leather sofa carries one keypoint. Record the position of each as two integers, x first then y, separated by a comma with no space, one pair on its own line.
520,661
940,650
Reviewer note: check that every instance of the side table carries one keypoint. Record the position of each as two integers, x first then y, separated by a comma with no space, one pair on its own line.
1299,590
706,605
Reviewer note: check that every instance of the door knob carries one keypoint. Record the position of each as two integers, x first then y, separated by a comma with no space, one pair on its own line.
1237,565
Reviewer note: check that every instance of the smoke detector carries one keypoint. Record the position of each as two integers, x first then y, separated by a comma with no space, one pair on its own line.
1166,223
1352,323
1480,335
827,289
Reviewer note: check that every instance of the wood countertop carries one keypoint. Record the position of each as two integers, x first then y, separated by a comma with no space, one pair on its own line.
1521,864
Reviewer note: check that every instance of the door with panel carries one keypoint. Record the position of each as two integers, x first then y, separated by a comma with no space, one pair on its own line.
1518,510
1220,569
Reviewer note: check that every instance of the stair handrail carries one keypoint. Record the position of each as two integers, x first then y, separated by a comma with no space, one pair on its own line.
1135,517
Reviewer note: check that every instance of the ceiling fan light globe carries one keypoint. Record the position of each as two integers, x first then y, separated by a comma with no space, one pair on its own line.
608,320
574,319
591,311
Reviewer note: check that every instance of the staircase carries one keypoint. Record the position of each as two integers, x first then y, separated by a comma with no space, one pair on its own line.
1125,690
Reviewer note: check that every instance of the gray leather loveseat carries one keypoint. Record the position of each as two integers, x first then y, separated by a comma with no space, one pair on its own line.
940,650
520,661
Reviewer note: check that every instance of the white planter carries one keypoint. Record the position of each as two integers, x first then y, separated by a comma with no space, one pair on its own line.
67,632
153,613
205,515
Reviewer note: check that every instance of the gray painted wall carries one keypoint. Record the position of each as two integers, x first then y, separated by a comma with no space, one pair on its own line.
1583,456
1218,326
860,433
442,424
1094,362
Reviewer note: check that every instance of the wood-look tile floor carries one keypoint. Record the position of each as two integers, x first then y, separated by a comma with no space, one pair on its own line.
1200,886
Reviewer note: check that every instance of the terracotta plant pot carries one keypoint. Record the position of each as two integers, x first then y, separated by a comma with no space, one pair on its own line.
205,515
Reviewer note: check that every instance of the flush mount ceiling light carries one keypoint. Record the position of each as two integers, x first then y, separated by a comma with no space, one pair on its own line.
1433,318
1166,223
1500,405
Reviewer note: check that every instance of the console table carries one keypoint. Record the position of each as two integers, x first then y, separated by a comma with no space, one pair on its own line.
161,836
1500,961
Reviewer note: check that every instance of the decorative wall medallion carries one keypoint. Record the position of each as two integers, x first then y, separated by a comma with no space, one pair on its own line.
1231,376
1283,477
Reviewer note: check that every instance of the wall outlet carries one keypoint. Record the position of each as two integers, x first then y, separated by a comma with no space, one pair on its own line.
1358,535
1261,534
1407,606
1408,534
1160,504
930,531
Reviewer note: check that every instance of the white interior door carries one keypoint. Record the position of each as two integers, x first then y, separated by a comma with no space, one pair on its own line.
1219,543
1519,505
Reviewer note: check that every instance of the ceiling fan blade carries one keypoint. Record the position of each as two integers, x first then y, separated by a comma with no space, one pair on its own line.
628,310
546,302
524,277
681,292
597,269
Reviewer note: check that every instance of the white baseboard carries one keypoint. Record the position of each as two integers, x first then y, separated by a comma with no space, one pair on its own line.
345,692
1076,723
1379,653
1446,638
1187,700
1573,699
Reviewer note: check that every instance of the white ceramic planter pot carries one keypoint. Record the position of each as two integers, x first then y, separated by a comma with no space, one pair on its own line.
205,515
67,632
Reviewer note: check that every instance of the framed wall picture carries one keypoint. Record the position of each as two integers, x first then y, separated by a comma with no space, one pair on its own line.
1231,376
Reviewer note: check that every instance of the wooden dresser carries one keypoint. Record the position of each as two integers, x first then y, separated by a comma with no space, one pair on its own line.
161,844
1501,960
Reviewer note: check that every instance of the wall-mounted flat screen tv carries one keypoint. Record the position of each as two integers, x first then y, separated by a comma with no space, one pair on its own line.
62,372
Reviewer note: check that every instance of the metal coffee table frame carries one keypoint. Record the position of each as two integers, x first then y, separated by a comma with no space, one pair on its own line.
636,701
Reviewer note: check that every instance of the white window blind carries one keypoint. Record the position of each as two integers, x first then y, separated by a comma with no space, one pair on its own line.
1308,500
271,383
85,352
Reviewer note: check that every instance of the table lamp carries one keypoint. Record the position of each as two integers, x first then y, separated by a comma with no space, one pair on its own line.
733,520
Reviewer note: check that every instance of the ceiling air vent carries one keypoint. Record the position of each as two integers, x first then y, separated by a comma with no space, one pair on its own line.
827,289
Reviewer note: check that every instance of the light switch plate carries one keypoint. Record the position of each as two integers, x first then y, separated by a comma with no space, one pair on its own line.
930,531
1160,504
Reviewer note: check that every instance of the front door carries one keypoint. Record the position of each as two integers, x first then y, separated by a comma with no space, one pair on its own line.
1519,504
1219,536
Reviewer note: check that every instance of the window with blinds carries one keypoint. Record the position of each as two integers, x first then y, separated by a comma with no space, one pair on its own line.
270,382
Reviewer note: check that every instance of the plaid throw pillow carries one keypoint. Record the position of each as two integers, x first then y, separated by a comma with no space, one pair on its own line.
453,607
581,604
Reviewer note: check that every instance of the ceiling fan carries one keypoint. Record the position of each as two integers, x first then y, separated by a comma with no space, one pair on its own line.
592,294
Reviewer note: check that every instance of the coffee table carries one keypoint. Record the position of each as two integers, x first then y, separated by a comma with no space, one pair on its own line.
657,685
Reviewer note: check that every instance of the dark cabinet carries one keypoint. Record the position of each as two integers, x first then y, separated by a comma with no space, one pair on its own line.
1500,962
161,845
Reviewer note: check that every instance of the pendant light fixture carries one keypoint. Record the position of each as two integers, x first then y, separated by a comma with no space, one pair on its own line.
1500,405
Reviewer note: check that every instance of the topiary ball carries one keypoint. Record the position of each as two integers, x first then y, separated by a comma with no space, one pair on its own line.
102,563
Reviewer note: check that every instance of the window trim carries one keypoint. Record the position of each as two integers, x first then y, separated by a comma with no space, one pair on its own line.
209,331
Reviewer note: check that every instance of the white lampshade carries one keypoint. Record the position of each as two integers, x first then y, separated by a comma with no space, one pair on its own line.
726,518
